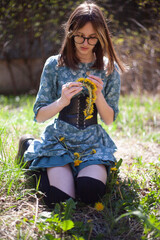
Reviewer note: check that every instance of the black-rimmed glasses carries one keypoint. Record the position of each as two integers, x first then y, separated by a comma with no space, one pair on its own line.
80,39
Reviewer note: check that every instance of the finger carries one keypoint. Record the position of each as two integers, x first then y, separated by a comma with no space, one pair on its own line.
73,84
96,78
73,89
98,84
72,93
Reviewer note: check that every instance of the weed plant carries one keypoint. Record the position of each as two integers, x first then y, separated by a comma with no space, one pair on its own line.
130,208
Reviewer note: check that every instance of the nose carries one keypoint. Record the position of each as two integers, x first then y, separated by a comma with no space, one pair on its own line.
85,42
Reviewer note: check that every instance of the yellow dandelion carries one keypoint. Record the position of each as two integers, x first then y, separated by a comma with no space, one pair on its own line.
25,219
117,183
114,169
80,80
93,151
77,155
90,116
77,162
94,98
89,220
99,206
115,163
61,139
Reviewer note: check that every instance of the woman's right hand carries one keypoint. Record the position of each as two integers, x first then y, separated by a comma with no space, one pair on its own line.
68,91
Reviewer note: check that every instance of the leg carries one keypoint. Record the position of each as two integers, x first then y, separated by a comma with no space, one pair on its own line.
94,171
62,178
91,182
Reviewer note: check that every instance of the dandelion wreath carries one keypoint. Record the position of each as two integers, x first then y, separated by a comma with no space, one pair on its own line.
92,96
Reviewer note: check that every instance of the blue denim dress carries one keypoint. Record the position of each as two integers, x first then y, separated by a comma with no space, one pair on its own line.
50,150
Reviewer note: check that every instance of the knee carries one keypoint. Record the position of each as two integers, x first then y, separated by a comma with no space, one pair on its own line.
89,190
52,194
55,195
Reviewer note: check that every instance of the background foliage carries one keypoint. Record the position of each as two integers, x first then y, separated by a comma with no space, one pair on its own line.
33,29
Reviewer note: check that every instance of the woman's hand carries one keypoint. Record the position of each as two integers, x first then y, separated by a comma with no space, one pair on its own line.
99,83
68,91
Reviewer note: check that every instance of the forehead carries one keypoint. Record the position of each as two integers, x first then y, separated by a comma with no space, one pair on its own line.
87,29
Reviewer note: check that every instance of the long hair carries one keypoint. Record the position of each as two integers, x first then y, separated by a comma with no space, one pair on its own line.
84,13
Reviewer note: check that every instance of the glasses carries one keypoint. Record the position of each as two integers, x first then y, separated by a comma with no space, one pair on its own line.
80,39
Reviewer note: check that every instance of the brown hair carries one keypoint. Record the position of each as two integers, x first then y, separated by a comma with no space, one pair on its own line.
88,12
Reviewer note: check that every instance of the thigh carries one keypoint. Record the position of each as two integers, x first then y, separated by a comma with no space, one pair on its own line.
62,178
95,171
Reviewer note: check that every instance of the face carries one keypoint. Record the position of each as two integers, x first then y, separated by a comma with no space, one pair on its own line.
85,50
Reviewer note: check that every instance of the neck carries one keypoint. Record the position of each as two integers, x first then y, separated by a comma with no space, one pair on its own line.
86,59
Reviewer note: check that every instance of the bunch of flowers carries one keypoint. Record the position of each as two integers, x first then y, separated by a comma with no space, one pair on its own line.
77,156
92,96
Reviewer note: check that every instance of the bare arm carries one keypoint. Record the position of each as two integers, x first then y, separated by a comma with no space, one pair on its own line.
49,111
104,110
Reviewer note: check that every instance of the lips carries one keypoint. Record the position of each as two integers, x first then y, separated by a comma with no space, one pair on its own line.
84,49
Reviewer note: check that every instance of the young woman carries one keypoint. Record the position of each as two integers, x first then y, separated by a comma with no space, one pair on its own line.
75,153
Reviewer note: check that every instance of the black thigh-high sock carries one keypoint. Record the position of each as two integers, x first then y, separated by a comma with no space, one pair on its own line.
55,195
89,190
52,194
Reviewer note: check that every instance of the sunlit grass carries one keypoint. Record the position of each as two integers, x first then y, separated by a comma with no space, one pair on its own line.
139,116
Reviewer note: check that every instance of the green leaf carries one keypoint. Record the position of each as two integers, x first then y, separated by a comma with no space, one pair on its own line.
50,237
57,208
77,238
119,163
69,209
66,225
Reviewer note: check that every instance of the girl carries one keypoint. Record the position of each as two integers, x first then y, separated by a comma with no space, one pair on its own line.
75,153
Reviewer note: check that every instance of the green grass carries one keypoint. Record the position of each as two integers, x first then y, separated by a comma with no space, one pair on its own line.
140,117
131,204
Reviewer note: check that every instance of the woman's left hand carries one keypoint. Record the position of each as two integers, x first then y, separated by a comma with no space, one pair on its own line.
99,83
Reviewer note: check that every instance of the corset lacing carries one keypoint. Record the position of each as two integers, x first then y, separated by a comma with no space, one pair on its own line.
73,113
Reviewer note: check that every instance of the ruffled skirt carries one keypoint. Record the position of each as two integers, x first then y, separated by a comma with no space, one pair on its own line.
61,144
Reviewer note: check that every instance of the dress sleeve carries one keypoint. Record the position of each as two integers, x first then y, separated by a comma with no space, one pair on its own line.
47,89
111,90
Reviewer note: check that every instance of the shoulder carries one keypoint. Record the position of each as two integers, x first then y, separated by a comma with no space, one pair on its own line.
52,61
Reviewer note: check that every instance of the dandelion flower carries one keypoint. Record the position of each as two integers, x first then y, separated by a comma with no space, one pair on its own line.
77,162
93,151
61,139
114,169
77,155
89,220
90,116
117,183
99,206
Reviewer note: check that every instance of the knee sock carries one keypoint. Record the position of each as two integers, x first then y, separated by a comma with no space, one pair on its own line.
52,194
89,190
55,195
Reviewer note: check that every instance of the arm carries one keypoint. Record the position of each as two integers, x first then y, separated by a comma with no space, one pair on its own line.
49,111
107,96
105,111
47,103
